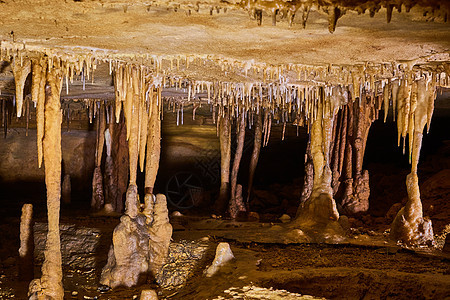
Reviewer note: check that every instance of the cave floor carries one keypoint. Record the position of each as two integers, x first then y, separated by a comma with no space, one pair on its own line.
364,266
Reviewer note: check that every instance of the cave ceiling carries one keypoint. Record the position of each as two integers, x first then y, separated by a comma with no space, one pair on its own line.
221,40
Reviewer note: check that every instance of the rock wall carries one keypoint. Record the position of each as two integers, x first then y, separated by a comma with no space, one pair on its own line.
19,156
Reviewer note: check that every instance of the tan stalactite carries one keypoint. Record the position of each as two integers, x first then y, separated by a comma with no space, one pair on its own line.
50,284
144,120
334,13
129,99
132,117
101,127
288,9
20,69
39,77
153,143
98,197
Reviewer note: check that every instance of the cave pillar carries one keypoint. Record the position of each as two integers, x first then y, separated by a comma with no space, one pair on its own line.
320,207
356,182
409,226
49,286
255,155
236,204
225,158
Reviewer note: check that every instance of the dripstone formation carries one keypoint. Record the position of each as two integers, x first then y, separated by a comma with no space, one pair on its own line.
140,242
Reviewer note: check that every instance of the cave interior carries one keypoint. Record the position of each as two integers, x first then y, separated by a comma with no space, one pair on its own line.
215,149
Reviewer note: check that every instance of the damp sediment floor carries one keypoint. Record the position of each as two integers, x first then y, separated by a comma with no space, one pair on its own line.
365,266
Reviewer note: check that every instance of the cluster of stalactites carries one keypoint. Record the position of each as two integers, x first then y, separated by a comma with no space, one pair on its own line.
138,92
24,62
288,102
285,99
334,9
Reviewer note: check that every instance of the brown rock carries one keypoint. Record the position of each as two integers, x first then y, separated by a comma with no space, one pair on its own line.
446,247
253,216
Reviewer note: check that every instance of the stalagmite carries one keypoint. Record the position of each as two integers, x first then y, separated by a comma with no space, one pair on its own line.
225,158
140,242
223,256
255,154
153,145
160,235
110,178
21,71
128,256
50,284
236,203
409,226
26,250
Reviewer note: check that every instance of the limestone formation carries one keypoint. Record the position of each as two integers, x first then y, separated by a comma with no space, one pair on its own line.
255,154
223,255
409,226
148,295
320,207
140,242
50,284
26,250
236,203
160,235
224,128
416,103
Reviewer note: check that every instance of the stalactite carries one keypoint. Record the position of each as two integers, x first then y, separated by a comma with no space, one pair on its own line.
39,75
334,13
98,198
132,117
143,116
236,204
20,70
153,144
255,154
